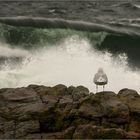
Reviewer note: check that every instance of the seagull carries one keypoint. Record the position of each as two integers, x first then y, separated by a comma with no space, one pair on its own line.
100,79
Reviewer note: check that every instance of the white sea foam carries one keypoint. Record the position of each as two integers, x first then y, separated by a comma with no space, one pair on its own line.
136,5
73,62
6,51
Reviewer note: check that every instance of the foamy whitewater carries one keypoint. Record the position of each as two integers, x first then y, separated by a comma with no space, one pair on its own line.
73,62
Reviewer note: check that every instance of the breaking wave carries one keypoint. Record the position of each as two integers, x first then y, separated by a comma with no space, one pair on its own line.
51,56
30,38
72,61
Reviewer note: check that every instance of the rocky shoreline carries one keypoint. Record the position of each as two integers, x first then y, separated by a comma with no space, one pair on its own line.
61,112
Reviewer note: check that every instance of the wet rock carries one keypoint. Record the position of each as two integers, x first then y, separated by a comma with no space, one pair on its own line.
19,94
132,99
78,92
26,127
66,134
105,104
128,93
62,112
133,135
96,132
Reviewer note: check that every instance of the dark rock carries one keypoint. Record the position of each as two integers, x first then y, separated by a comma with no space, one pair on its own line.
128,93
19,94
96,132
63,113
61,90
66,134
105,104
78,92
132,99
26,127
133,135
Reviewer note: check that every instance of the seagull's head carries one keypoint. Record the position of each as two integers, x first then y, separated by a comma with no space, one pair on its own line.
100,70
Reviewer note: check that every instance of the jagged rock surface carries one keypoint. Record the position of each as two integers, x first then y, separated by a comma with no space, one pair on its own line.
61,112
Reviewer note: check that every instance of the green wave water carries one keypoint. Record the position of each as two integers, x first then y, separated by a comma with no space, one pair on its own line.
28,37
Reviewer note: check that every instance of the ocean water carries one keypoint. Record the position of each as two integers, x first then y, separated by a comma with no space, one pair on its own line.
55,56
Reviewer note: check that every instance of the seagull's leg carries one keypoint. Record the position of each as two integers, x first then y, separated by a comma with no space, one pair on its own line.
96,88
103,87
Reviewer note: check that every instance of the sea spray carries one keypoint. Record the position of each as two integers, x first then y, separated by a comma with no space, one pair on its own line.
72,62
